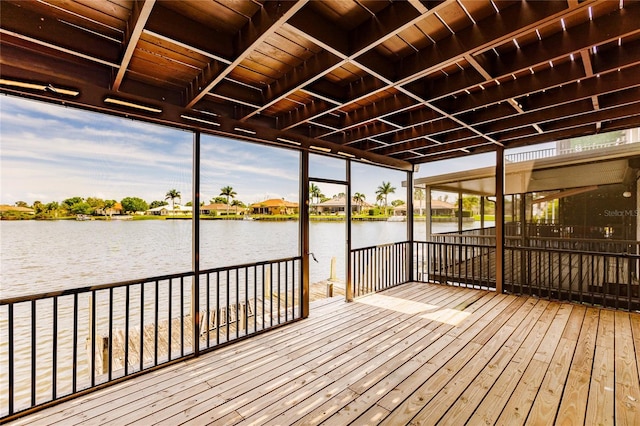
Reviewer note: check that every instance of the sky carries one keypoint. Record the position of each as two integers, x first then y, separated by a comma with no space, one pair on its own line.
50,153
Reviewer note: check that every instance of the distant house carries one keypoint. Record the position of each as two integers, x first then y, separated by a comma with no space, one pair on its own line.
274,206
116,209
438,208
6,208
166,210
220,208
337,205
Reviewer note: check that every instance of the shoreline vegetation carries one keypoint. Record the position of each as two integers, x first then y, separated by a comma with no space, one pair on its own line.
263,218
226,207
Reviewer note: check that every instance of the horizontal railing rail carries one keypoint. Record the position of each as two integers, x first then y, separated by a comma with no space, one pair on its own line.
608,245
379,267
591,277
56,345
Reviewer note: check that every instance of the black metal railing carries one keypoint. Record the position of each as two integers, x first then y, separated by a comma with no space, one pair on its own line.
380,267
60,344
566,239
591,277
246,299
469,265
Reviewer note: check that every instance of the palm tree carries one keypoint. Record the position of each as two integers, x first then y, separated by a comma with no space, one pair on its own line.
359,198
172,194
314,192
236,204
418,195
384,190
228,192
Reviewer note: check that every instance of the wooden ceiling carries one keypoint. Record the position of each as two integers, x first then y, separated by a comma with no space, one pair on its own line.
396,82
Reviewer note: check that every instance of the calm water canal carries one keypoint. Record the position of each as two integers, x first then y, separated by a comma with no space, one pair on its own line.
41,256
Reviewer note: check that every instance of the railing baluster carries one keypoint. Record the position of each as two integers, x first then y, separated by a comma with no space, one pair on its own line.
155,332
11,358
141,326
126,330
34,375
255,298
279,296
74,365
286,291
207,317
54,351
181,317
110,333
92,325
237,303
169,319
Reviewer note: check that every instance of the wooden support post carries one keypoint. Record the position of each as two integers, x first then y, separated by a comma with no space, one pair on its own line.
332,273
304,233
409,255
242,320
267,282
499,219
105,354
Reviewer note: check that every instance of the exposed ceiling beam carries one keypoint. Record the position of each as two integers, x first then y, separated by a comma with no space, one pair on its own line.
135,26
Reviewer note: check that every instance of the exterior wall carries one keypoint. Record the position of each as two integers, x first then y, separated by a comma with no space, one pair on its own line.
602,213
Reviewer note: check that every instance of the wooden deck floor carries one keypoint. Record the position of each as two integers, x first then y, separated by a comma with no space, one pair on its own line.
416,354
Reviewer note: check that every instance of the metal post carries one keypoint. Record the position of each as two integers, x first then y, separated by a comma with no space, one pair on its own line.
195,251
348,293
427,212
409,265
499,219
460,213
304,233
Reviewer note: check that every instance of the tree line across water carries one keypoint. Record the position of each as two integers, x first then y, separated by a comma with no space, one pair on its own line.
94,206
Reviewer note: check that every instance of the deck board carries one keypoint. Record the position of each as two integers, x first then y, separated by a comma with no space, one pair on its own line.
415,354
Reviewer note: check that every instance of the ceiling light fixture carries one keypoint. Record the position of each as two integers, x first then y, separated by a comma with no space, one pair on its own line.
288,141
200,120
39,86
121,102
22,84
346,154
564,26
590,13
247,131
320,148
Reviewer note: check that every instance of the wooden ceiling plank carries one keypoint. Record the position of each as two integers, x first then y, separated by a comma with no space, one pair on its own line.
561,45
298,78
563,74
58,36
485,33
261,27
